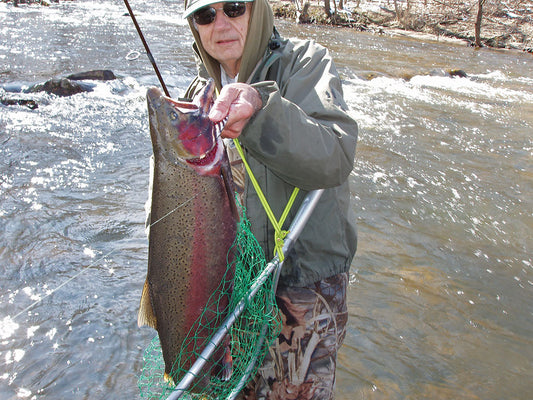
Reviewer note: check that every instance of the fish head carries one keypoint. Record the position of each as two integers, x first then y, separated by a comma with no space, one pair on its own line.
182,131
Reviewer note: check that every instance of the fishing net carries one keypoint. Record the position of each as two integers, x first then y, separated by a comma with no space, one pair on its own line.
248,340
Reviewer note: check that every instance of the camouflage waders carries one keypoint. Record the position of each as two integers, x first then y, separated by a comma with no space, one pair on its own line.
301,363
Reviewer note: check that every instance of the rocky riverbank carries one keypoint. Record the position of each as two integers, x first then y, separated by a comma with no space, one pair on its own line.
502,26
505,24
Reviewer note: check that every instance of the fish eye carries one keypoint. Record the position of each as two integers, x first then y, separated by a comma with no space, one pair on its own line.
173,116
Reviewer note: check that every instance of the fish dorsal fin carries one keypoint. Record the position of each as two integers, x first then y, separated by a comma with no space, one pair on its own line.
146,314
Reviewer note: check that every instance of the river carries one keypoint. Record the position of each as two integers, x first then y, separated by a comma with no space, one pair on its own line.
441,289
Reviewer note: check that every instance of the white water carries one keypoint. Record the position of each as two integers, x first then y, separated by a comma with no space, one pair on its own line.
442,283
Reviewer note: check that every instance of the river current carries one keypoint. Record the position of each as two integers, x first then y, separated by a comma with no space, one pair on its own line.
441,289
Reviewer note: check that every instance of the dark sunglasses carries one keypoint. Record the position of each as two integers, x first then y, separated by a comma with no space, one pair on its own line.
206,15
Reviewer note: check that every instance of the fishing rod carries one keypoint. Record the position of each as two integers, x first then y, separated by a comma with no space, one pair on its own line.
273,267
148,52
220,125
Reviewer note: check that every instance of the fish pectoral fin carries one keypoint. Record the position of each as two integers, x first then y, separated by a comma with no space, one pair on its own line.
146,314
227,370
227,362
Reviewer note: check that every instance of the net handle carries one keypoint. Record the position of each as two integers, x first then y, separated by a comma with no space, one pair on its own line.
297,225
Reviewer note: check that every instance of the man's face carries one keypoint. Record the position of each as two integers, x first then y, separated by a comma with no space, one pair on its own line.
224,38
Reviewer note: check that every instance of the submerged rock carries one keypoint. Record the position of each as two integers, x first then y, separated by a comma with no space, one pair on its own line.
449,72
67,86
71,83
61,87
369,75
458,72
97,75
30,103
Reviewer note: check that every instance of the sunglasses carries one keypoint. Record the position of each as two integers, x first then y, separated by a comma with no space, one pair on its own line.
206,15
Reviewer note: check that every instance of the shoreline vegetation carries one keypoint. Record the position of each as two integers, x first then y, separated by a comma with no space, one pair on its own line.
503,24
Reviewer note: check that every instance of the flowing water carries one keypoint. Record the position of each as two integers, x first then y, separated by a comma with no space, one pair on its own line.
441,290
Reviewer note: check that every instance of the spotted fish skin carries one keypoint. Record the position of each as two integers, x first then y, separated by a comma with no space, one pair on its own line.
193,224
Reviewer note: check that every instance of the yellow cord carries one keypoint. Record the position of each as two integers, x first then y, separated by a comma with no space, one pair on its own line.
280,234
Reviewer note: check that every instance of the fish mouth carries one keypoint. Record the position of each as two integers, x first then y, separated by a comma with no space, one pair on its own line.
210,162
206,158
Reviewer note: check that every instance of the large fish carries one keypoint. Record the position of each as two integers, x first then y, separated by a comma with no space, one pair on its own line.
193,225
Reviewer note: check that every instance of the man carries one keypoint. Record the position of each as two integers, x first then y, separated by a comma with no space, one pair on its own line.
284,103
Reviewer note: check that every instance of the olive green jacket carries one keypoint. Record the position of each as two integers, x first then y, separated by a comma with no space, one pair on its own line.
303,137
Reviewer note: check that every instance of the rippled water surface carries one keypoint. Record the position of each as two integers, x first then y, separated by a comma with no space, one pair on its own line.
441,293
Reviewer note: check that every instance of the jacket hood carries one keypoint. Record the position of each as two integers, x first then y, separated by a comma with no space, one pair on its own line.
260,30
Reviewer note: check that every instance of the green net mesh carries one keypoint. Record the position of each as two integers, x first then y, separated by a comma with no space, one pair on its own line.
248,339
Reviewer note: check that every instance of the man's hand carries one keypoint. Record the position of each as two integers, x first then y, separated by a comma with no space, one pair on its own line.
239,102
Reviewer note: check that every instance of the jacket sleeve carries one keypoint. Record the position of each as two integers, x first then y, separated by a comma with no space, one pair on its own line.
303,132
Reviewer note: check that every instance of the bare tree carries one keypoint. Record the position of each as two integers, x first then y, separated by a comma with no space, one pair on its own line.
402,14
327,8
397,10
477,25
